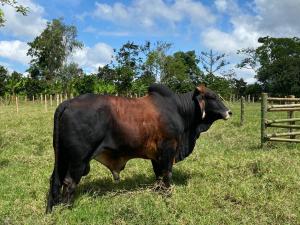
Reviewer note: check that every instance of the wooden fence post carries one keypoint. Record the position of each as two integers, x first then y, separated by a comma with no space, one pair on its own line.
290,115
242,110
57,99
51,100
61,98
264,105
17,104
46,107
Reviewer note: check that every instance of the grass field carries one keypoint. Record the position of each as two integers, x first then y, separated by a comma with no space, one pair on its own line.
228,179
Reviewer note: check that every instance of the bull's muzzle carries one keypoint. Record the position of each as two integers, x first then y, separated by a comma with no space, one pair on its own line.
227,115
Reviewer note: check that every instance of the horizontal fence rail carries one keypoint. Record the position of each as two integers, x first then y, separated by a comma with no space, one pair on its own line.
282,134
289,105
283,106
281,120
283,109
291,99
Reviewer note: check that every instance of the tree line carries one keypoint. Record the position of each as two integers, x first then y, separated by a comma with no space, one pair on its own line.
134,67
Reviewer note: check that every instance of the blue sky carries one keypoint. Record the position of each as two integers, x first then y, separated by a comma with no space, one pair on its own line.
221,25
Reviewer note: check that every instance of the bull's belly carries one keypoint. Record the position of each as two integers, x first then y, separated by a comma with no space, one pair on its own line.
112,162
117,162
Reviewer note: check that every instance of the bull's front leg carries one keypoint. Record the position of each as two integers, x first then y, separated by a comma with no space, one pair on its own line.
167,165
166,160
157,169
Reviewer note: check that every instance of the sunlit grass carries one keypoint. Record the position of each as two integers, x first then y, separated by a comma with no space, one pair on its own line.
228,179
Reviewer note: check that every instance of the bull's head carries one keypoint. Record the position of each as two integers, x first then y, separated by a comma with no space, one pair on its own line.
211,106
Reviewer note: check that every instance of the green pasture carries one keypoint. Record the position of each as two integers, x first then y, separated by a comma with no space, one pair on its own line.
228,179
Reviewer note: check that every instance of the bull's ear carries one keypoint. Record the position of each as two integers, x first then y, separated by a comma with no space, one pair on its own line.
202,107
201,88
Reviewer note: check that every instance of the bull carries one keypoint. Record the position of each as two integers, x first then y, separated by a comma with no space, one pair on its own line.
161,126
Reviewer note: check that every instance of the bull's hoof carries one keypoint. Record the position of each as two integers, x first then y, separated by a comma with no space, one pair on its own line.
117,181
116,176
161,187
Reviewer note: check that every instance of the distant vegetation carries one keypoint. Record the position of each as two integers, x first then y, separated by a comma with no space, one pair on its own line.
135,66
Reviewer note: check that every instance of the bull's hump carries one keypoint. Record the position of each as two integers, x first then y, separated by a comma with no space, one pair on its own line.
161,90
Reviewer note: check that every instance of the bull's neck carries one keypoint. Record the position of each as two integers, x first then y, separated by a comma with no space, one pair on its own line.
187,108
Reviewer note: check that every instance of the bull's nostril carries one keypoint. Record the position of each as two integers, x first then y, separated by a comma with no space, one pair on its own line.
230,113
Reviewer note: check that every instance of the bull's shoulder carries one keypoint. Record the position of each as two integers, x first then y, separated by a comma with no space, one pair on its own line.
161,90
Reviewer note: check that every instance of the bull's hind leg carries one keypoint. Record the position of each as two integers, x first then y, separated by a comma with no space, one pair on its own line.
69,186
54,192
72,179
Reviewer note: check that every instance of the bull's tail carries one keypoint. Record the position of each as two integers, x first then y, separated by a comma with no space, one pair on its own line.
61,163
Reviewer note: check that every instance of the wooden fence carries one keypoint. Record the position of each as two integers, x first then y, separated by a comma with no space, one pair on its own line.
45,100
247,98
289,105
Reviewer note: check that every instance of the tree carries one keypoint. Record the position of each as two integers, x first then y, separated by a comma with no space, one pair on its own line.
14,83
67,76
19,8
254,90
155,58
220,85
51,49
250,61
212,62
128,66
181,72
239,86
85,84
102,87
278,61
33,87
3,80
106,73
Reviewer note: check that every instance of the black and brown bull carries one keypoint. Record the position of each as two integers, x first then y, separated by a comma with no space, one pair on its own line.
161,126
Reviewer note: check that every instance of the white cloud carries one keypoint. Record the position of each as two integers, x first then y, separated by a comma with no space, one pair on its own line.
278,18
15,51
251,80
28,26
99,32
221,5
274,18
90,58
247,75
155,14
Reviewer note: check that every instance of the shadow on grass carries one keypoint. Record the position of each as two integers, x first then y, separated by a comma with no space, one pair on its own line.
4,163
136,183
